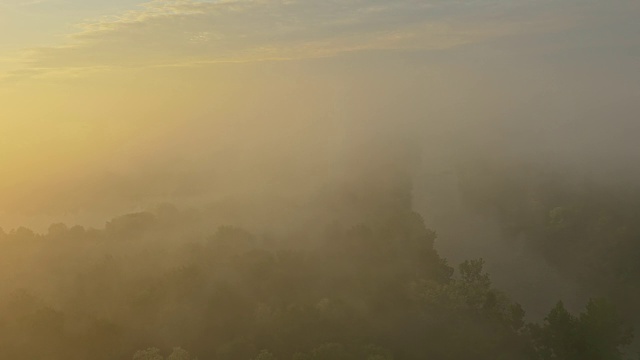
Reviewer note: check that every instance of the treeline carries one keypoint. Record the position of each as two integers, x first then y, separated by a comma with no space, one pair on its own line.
159,286
589,230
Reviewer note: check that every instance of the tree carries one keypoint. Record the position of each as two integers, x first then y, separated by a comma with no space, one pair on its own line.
557,338
597,334
265,355
603,331
148,354
179,353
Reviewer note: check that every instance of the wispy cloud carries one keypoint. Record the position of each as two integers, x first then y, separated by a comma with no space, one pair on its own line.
23,3
185,32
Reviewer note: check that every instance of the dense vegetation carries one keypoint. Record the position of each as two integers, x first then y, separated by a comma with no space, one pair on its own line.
166,285
588,230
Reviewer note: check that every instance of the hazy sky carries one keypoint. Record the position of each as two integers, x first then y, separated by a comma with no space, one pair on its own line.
99,97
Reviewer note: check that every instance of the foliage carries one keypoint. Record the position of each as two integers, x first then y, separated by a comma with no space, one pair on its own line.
597,333
375,291
148,354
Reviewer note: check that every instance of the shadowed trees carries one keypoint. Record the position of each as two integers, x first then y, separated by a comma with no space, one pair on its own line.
376,290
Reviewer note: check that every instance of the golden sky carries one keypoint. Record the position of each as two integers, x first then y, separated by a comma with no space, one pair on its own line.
96,90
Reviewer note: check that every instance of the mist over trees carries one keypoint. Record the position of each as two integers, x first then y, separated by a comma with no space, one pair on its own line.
172,284
319,180
585,227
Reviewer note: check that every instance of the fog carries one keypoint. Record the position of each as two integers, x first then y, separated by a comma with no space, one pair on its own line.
242,208
278,153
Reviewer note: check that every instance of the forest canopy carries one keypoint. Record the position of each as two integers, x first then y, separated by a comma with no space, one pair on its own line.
160,285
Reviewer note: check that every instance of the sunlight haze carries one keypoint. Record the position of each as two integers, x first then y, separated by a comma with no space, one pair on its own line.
319,179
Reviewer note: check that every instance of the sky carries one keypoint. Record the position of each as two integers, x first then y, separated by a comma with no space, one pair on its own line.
107,106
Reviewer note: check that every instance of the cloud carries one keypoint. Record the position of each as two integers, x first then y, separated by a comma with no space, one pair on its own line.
188,32
22,3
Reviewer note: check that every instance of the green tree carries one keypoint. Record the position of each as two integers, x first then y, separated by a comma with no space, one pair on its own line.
179,353
148,354
265,355
603,332
596,334
557,338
